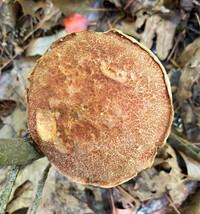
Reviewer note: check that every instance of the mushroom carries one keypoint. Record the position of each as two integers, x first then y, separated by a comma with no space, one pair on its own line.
99,105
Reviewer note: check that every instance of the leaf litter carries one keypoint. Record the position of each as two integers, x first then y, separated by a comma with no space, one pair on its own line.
171,30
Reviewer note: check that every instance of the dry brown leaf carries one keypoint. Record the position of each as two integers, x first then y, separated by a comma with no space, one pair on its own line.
190,55
165,36
193,167
30,6
192,206
40,45
128,28
165,31
22,197
188,77
153,183
166,157
25,185
190,59
141,17
13,86
150,30
75,6
189,118
62,196
8,13
158,21
197,114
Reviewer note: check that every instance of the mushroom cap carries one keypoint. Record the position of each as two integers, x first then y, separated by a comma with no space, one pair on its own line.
99,104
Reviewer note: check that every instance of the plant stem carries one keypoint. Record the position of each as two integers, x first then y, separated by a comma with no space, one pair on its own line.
17,151
39,190
8,188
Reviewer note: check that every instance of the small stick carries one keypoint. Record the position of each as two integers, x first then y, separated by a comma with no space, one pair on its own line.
175,63
197,16
128,4
40,187
4,199
129,195
174,48
185,145
17,95
46,18
172,204
185,141
112,202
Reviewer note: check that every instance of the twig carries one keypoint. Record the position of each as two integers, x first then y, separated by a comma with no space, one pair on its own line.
174,48
117,18
129,195
128,4
185,141
197,16
175,63
8,62
17,95
112,202
4,199
46,18
40,187
185,145
172,204
109,24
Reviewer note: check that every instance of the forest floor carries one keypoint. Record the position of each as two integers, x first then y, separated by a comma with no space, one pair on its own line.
171,29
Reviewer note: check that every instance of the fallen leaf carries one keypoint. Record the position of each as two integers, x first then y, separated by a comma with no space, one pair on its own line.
165,35
190,61
153,206
165,31
189,119
188,77
76,22
7,107
190,55
193,167
158,22
150,30
13,84
192,206
22,197
9,12
40,45
30,6
62,196
76,6
128,28
164,176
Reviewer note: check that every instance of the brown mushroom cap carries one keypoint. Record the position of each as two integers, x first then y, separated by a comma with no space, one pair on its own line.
99,104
